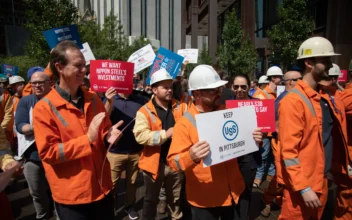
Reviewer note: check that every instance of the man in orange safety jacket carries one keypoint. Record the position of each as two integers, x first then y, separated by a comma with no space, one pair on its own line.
212,191
313,137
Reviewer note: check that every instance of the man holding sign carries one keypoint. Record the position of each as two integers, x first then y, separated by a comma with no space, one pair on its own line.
212,191
72,132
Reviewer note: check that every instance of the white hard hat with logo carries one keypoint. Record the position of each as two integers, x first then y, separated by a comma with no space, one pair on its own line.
204,77
263,79
159,76
15,79
274,71
316,47
334,70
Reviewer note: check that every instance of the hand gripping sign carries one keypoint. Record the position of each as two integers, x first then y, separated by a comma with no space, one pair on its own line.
265,111
228,133
110,73
166,59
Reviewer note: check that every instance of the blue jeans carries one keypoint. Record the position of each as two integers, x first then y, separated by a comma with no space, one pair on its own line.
267,165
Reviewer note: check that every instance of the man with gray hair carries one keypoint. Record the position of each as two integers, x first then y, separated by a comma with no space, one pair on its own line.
33,167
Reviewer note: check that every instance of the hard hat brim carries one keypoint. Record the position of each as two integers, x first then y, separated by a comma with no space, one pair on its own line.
161,81
320,55
212,86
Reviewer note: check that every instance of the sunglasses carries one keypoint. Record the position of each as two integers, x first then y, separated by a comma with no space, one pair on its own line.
294,79
236,87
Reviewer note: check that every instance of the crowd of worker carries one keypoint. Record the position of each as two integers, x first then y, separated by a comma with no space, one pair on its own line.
76,143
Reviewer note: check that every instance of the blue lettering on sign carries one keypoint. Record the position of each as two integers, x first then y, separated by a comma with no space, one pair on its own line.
230,130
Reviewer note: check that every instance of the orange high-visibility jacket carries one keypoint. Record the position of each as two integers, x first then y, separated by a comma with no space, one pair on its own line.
149,125
348,86
259,94
268,93
186,98
275,146
300,136
72,165
212,186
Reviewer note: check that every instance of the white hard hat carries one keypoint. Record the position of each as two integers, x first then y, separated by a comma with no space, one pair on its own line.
334,70
160,75
263,79
316,47
274,71
204,77
15,79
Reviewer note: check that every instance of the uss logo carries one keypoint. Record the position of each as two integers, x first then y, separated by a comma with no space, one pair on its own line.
230,130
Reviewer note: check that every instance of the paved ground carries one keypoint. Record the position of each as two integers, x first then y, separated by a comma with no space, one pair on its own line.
23,208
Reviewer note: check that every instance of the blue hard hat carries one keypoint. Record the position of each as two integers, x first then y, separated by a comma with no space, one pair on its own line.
33,70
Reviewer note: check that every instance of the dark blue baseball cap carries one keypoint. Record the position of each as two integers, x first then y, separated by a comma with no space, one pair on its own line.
33,70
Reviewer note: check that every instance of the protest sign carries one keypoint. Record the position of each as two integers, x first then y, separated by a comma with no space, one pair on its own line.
110,73
265,111
166,59
342,76
8,69
142,58
190,55
25,141
56,35
87,53
228,133
279,90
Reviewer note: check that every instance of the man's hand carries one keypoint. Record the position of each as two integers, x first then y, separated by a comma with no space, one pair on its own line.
199,151
114,133
311,199
12,165
169,132
257,135
110,93
94,126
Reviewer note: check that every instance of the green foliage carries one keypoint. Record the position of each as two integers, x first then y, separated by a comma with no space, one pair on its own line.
44,15
23,63
285,37
237,54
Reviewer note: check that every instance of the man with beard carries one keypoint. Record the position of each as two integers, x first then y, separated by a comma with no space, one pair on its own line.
154,128
313,137
213,192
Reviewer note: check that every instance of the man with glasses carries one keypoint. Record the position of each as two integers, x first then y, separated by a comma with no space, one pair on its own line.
213,192
33,167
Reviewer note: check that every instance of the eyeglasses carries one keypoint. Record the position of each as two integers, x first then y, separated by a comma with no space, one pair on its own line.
38,83
236,87
294,79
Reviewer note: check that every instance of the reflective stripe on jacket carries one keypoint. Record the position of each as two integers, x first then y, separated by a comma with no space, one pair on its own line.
300,136
212,186
148,132
72,164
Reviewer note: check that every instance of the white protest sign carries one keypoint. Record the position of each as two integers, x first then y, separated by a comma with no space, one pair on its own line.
190,55
142,58
87,53
25,141
279,90
228,132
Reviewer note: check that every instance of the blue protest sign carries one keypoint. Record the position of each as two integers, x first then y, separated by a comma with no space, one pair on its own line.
56,35
8,69
168,60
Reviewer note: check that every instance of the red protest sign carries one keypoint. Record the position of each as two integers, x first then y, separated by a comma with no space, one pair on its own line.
264,108
110,73
342,76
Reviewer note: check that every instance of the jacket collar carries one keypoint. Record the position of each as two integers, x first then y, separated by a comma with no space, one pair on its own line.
58,100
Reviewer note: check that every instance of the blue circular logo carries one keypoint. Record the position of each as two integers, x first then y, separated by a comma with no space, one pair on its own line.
230,130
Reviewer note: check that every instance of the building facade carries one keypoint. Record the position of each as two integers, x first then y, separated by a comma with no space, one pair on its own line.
158,20
207,17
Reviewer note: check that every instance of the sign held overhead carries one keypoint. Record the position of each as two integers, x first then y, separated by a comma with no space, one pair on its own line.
142,58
